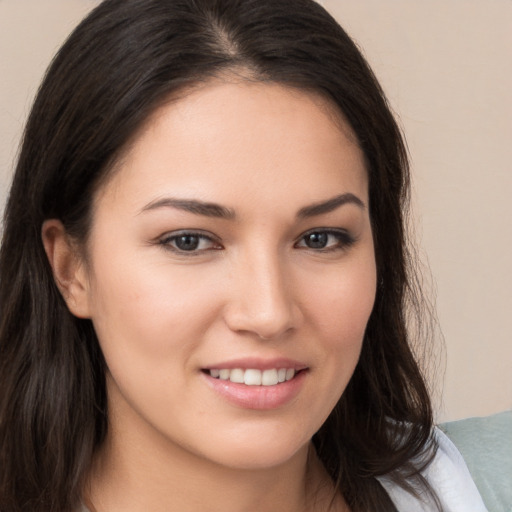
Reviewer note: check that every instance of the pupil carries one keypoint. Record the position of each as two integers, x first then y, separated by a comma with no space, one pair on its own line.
317,240
187,242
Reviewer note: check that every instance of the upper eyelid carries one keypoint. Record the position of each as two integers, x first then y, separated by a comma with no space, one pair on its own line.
330,231
324,229
181,232
208,234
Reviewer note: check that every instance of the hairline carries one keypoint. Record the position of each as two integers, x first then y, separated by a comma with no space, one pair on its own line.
237,74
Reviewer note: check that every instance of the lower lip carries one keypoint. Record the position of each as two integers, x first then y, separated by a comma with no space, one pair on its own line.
258,397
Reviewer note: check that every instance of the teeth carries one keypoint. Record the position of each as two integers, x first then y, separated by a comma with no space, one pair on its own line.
253,377
269,377
237,375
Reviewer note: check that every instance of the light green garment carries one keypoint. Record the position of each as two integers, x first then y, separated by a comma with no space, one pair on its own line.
486,445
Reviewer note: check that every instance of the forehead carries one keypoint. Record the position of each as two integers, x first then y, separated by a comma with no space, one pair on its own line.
224,140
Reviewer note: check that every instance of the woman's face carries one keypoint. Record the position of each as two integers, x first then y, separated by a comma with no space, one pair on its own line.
232,249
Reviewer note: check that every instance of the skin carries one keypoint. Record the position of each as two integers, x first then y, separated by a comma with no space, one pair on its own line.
253,288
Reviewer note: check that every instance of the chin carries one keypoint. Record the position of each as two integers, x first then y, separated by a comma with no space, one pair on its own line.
259,458
257,451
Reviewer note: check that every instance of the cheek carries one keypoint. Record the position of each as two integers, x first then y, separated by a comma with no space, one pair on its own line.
149,312
339,311
150,323
342,303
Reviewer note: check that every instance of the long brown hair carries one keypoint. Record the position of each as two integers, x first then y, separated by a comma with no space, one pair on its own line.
118,66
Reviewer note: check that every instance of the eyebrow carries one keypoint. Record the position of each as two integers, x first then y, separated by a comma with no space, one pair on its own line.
330,205
218,211
193,206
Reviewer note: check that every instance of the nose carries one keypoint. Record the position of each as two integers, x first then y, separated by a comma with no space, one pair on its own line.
262,301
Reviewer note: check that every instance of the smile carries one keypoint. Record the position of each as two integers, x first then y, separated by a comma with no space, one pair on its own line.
254,377
259,389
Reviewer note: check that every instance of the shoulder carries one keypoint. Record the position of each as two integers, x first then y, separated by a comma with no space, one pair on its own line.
448,476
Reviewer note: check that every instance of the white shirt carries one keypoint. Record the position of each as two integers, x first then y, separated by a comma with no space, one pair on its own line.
449,476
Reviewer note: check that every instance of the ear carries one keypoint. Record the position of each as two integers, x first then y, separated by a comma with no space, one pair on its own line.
68,269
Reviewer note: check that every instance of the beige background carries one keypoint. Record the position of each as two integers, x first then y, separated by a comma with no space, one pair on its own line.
446,67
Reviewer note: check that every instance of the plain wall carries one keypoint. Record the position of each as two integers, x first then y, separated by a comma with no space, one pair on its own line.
445,66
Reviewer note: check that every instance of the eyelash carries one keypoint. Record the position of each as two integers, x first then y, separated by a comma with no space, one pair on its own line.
344,241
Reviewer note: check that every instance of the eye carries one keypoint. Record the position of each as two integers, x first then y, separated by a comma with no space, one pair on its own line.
189,242
326,240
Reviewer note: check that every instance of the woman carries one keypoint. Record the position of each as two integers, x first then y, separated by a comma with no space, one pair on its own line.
204,275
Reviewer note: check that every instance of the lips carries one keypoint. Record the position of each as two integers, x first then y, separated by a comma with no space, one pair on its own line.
257,384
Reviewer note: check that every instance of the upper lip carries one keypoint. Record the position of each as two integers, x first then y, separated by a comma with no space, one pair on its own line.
258,364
